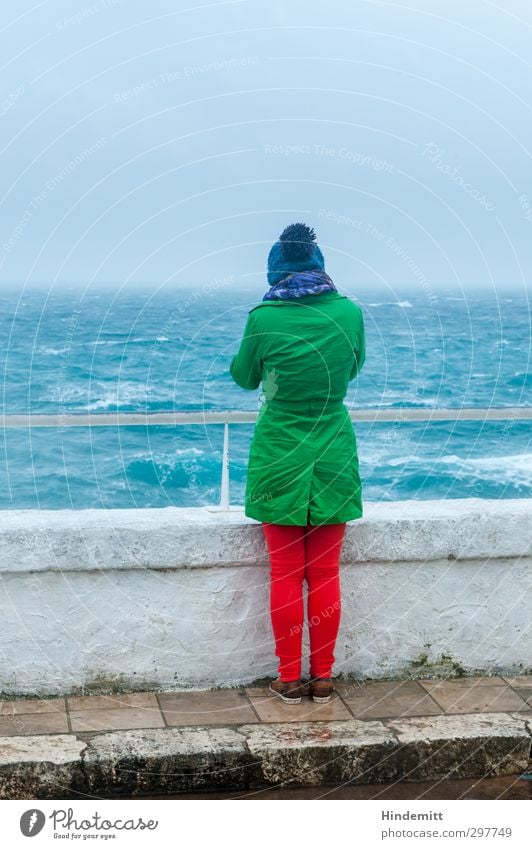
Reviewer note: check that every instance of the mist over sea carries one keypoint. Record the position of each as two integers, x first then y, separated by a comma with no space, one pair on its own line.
108,350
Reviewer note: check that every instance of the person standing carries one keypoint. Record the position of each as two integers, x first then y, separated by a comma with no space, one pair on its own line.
304,342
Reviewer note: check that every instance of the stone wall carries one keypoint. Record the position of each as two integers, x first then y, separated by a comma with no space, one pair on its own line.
100,600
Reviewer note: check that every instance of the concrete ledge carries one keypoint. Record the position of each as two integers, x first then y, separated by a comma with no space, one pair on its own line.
184,538
40,767
171,760
118,600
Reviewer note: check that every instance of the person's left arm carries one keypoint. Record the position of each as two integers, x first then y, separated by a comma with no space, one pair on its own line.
246,365
359,349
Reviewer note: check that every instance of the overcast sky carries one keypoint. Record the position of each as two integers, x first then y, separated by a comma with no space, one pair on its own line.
170,142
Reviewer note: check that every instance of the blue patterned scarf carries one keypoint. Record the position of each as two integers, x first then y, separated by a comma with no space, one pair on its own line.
300,283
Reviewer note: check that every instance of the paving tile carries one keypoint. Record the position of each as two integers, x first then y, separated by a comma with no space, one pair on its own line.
519,681
524,690
455,698
522,684
382,688
34,723
526,694
217,707
17,706
120,700
116,719
466,682
270,708
383,699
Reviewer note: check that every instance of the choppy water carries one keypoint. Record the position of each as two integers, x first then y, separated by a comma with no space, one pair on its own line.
106,351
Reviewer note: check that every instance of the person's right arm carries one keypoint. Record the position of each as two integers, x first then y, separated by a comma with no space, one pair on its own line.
246,366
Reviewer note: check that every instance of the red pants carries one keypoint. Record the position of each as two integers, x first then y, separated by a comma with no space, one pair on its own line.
311,553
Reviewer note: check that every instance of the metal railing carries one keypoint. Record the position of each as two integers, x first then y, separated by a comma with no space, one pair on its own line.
391,414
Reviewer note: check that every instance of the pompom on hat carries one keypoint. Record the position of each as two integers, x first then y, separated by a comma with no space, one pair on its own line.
295,250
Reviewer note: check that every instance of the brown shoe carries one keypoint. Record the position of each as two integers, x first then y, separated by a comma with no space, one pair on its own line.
288,691
321,690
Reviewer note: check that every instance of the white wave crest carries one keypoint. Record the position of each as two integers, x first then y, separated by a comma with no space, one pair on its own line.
510,468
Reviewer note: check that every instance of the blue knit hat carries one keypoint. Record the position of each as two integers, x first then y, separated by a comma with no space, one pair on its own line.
296,250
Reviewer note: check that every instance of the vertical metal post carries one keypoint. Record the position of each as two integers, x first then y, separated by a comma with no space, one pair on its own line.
224,489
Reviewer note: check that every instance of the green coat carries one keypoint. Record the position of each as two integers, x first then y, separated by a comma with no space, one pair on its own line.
303,463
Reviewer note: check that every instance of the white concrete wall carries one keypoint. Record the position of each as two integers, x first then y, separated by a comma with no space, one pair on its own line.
171,598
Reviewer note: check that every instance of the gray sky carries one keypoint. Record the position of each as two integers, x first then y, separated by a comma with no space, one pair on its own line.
171,142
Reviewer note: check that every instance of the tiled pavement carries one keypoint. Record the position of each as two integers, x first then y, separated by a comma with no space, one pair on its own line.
373,700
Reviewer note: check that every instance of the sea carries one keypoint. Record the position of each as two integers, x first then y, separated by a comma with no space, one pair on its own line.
79,349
